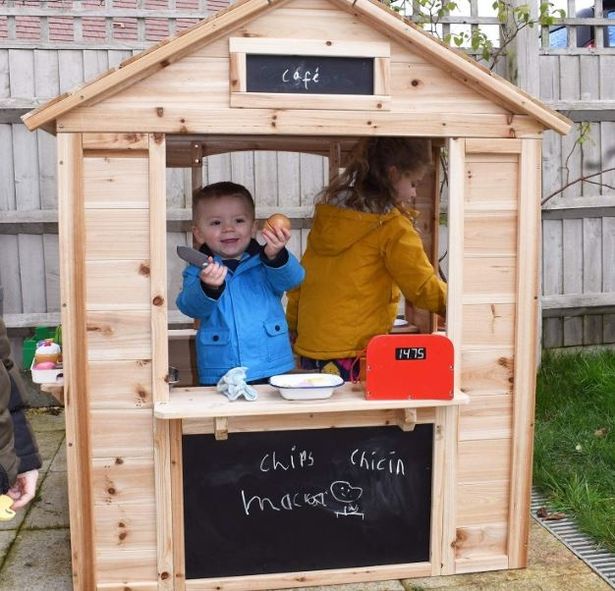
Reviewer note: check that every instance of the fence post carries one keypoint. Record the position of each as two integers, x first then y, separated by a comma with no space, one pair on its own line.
522,62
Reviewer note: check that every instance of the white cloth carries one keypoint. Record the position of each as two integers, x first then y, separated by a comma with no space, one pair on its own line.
233,385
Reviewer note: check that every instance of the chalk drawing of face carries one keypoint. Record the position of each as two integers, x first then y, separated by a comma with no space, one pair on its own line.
344,492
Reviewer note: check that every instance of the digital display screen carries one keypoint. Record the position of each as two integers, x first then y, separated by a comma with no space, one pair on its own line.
411,353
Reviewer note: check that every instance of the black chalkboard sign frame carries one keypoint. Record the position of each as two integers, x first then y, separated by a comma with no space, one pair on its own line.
443,491
300,61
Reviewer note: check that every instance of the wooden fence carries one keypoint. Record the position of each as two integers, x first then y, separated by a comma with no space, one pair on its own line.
49,47
576,76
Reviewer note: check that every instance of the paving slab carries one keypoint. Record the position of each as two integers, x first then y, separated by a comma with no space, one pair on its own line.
46,419
51,507
58,463
6,539
15,523
39,560
377,586
49,443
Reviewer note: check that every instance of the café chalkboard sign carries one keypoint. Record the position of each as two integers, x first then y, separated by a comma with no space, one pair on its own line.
287,501
302,74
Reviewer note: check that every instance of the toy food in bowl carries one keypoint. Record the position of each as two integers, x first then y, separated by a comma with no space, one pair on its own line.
306,386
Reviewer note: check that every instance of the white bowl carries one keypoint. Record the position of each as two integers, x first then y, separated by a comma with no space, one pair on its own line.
306,386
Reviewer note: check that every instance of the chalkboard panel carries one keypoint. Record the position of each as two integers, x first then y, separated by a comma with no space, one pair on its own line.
309,74
289,501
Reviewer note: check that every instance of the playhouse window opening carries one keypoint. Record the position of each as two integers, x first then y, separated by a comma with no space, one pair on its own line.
283,180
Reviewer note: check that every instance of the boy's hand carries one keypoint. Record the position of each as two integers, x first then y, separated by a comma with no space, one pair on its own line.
213,275
276,240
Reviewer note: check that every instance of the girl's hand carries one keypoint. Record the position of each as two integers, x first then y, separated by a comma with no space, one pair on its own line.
214,274
275,240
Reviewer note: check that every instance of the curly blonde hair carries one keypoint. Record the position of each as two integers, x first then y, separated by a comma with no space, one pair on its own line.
365,183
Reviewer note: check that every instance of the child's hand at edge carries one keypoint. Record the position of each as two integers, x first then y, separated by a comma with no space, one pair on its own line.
22,492
275,241
213,274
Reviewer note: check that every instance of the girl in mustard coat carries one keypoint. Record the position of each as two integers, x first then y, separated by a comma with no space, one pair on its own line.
361,251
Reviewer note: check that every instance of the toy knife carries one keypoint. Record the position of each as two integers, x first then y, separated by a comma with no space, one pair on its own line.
192,256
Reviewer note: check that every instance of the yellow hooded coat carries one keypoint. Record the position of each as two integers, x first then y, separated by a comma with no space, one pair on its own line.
355,265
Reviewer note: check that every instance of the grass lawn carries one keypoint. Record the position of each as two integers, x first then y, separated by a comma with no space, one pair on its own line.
574,450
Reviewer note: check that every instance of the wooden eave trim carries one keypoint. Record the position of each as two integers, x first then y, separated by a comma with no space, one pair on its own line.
142,65
464,68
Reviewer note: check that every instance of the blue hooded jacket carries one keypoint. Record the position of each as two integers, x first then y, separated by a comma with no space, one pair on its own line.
245,325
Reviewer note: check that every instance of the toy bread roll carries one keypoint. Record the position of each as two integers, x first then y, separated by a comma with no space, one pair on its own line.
277,220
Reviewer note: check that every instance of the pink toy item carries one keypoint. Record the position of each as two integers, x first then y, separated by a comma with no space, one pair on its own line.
45,365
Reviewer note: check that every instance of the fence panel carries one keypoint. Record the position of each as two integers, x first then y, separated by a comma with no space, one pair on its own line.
576,64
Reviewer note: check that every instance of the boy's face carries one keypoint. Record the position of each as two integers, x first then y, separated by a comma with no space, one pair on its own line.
225,224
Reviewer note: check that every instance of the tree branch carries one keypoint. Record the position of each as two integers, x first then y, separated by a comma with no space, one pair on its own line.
579,180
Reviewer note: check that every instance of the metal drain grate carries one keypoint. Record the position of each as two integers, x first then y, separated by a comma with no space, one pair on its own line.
602,562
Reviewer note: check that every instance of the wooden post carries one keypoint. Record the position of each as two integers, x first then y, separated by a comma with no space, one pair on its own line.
335,159
71,224
522,61
528,242
160,360
449,417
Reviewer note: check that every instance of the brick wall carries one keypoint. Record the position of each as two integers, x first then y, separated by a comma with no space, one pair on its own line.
66,27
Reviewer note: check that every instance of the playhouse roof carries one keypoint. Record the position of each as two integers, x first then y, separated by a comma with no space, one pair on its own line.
456,63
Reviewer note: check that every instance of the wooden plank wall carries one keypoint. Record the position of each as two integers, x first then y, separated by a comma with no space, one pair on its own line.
489,279
579,223
117,274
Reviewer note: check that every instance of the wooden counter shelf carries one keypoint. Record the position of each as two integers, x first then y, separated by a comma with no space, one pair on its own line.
203,410
192,403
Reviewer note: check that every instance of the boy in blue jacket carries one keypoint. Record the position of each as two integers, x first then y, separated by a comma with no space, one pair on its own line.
237,296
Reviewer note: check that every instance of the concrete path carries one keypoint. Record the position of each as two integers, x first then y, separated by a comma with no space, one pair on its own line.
35,546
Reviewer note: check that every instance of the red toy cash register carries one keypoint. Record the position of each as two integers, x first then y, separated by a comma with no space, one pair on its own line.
415,366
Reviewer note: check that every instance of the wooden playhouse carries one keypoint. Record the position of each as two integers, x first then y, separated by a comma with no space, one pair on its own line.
214,89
